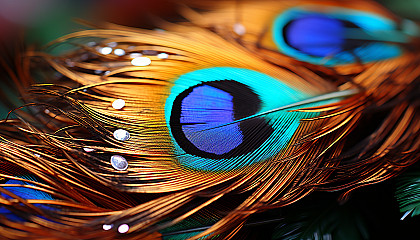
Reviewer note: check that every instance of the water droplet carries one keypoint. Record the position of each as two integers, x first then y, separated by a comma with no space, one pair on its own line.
98,72
163,55
239,29
123,228
119,162
107,227
119,52
105,50
88,149
121,134
118,104
141,61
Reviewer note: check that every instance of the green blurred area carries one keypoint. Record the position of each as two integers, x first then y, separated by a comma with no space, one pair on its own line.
59,20
405,8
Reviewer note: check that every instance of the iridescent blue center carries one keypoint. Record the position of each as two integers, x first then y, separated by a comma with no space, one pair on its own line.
317,35
217,118
203,120
208,107
336,36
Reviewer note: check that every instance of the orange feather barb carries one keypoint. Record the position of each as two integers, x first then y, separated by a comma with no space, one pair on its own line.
187,132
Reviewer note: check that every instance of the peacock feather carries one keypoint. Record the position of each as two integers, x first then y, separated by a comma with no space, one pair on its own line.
338,34
146,134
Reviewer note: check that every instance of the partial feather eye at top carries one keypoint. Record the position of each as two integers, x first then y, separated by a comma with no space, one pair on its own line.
328,33
335,36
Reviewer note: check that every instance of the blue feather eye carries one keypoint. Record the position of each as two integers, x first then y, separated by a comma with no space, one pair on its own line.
215,117
212,104
25,193
337,36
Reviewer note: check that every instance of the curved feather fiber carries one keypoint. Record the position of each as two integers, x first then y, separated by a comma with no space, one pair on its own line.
153,168
366,32
68,148
144,89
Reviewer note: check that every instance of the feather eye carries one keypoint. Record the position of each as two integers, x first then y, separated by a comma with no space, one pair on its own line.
328,33
204,112
192,122
205,118
334,36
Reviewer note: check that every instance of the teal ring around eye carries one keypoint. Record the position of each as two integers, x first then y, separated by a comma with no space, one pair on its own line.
272,93
366,53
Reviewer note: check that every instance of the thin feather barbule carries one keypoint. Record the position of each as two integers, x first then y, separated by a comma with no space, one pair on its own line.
208,134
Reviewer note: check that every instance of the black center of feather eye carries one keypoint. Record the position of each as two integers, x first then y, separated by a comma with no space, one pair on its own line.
202,120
